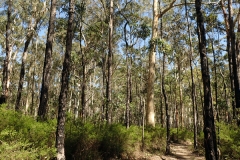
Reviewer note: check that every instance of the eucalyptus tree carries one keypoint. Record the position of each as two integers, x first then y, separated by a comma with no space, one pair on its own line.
109,63
150,113
209,126
43,105
179,60
193,93
37,11
81,10
11,41
213,41
238,48
233,53
229,27
168,151
92,37
133,28
6,66
60,135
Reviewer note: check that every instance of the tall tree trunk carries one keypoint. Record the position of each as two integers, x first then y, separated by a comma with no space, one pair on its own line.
43,105
238,48
180,93
30,33
216,89
60,135
209,126
6,67
22,73
193,93
128,94
225,97
104,77
234,57
168,149
83,85
109,64
166,107
230,62
150,113
32,109
33,90
128,77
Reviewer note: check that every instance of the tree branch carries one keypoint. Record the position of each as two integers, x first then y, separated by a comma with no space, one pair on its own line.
171,5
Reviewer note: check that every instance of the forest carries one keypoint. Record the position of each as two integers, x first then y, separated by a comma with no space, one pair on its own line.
119,79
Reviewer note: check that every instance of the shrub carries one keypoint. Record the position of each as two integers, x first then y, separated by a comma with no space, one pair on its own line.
89,141
180,134
229,141
155,139
81,141
25,138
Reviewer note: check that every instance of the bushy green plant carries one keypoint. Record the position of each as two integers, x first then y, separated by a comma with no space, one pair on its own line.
82,140
25,138
155,139
229,135
229,140
180,134
89,141
113,140
117,140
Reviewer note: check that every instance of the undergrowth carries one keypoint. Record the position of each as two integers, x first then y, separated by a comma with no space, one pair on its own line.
181,134
229,140
100,141
21,137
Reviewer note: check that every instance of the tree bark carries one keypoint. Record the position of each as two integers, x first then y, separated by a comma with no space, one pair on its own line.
43,105
109,63
209,126
83,85
227,26
166,107
234,57
128,77
238,48
193,93
60,135
6,67
150,113
22,71
216,90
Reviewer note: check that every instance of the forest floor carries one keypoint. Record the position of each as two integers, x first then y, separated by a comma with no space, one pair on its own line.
179,151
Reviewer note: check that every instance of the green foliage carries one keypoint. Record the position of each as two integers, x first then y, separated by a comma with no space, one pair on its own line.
163,46
155,139
24,138
113,141
143,31
82,140
180,134
91,141
229,141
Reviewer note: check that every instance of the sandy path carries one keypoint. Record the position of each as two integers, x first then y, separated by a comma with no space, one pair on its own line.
181,152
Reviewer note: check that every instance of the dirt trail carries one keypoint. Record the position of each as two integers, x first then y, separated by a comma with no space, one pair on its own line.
181,152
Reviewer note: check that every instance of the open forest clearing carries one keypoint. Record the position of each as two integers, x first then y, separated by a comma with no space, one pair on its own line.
119,79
